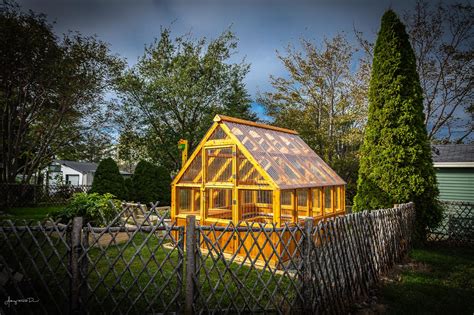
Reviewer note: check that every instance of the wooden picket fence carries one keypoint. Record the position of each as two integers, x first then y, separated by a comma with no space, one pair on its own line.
152,266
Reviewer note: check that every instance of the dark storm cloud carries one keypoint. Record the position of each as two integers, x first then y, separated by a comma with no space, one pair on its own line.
261,26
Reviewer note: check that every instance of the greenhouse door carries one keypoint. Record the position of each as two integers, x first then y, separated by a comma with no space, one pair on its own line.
220,189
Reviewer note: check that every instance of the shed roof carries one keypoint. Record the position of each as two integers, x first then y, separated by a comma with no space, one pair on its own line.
453,153
286,158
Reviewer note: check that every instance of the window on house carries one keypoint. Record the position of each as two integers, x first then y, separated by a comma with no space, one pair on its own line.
72,180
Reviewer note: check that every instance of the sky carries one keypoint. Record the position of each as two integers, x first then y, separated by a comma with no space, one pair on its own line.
263,27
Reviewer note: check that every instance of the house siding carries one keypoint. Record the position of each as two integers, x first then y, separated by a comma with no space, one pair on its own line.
456,183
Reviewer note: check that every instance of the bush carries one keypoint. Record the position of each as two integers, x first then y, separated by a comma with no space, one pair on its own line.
151,183
94,208
107,179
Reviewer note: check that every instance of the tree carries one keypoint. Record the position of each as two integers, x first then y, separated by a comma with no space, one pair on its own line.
322,100
131,147
151,183
176,89
396,164
442,39
107,179
48,89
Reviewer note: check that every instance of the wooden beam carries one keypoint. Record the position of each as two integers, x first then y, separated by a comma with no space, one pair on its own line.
310,203
173,202
188,185
222,142
236,215
219,118
294,198
276,198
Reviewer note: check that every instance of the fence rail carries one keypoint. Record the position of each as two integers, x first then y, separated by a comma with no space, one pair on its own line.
21,195
141,264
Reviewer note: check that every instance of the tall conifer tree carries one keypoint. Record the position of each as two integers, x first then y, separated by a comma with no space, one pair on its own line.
396,164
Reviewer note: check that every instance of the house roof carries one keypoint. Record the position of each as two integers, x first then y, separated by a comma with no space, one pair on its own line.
83,167
453,153
285,158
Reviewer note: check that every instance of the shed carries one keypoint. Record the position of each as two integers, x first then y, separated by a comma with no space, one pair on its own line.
245,171
454,165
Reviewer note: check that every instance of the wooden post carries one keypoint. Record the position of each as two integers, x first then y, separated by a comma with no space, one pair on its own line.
84,269
294,202
309,203
276,200
307,272
75,251
190,263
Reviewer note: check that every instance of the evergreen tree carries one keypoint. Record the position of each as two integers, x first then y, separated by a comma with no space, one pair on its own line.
396,164
129,188
107,179
151,183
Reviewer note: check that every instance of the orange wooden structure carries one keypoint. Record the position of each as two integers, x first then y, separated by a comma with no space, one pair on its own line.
246,171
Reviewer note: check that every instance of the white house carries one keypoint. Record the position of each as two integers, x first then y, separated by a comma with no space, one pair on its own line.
74,173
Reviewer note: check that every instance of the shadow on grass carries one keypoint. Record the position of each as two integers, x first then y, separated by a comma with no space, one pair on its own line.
440,281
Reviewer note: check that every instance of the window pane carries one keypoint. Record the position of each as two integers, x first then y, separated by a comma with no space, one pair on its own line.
189,201
317,198
302,197
220,203
219,165
264,196
286,198
327,197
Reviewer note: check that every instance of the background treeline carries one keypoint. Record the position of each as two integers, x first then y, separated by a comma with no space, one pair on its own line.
53,89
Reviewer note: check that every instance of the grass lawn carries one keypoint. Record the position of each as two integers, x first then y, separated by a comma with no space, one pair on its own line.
438,280
29,213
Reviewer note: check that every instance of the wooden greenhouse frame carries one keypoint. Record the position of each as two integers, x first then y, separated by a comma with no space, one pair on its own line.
249,172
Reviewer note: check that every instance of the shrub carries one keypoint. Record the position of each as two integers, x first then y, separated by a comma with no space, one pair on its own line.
94,208
107,179
151,183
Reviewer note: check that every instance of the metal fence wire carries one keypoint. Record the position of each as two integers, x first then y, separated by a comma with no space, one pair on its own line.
21,195
142,263
457,224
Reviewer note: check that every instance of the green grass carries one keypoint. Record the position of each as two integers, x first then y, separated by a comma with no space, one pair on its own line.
165,293
29,213
441,281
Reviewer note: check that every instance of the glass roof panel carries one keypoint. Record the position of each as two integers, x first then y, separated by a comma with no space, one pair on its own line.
285,157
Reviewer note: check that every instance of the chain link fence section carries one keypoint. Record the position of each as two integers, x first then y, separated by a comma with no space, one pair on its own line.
142,263
133,265
310,268
24,195
457,224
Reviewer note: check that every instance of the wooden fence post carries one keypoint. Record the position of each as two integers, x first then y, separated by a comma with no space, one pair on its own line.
307,269
75,250
190,263
84,268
